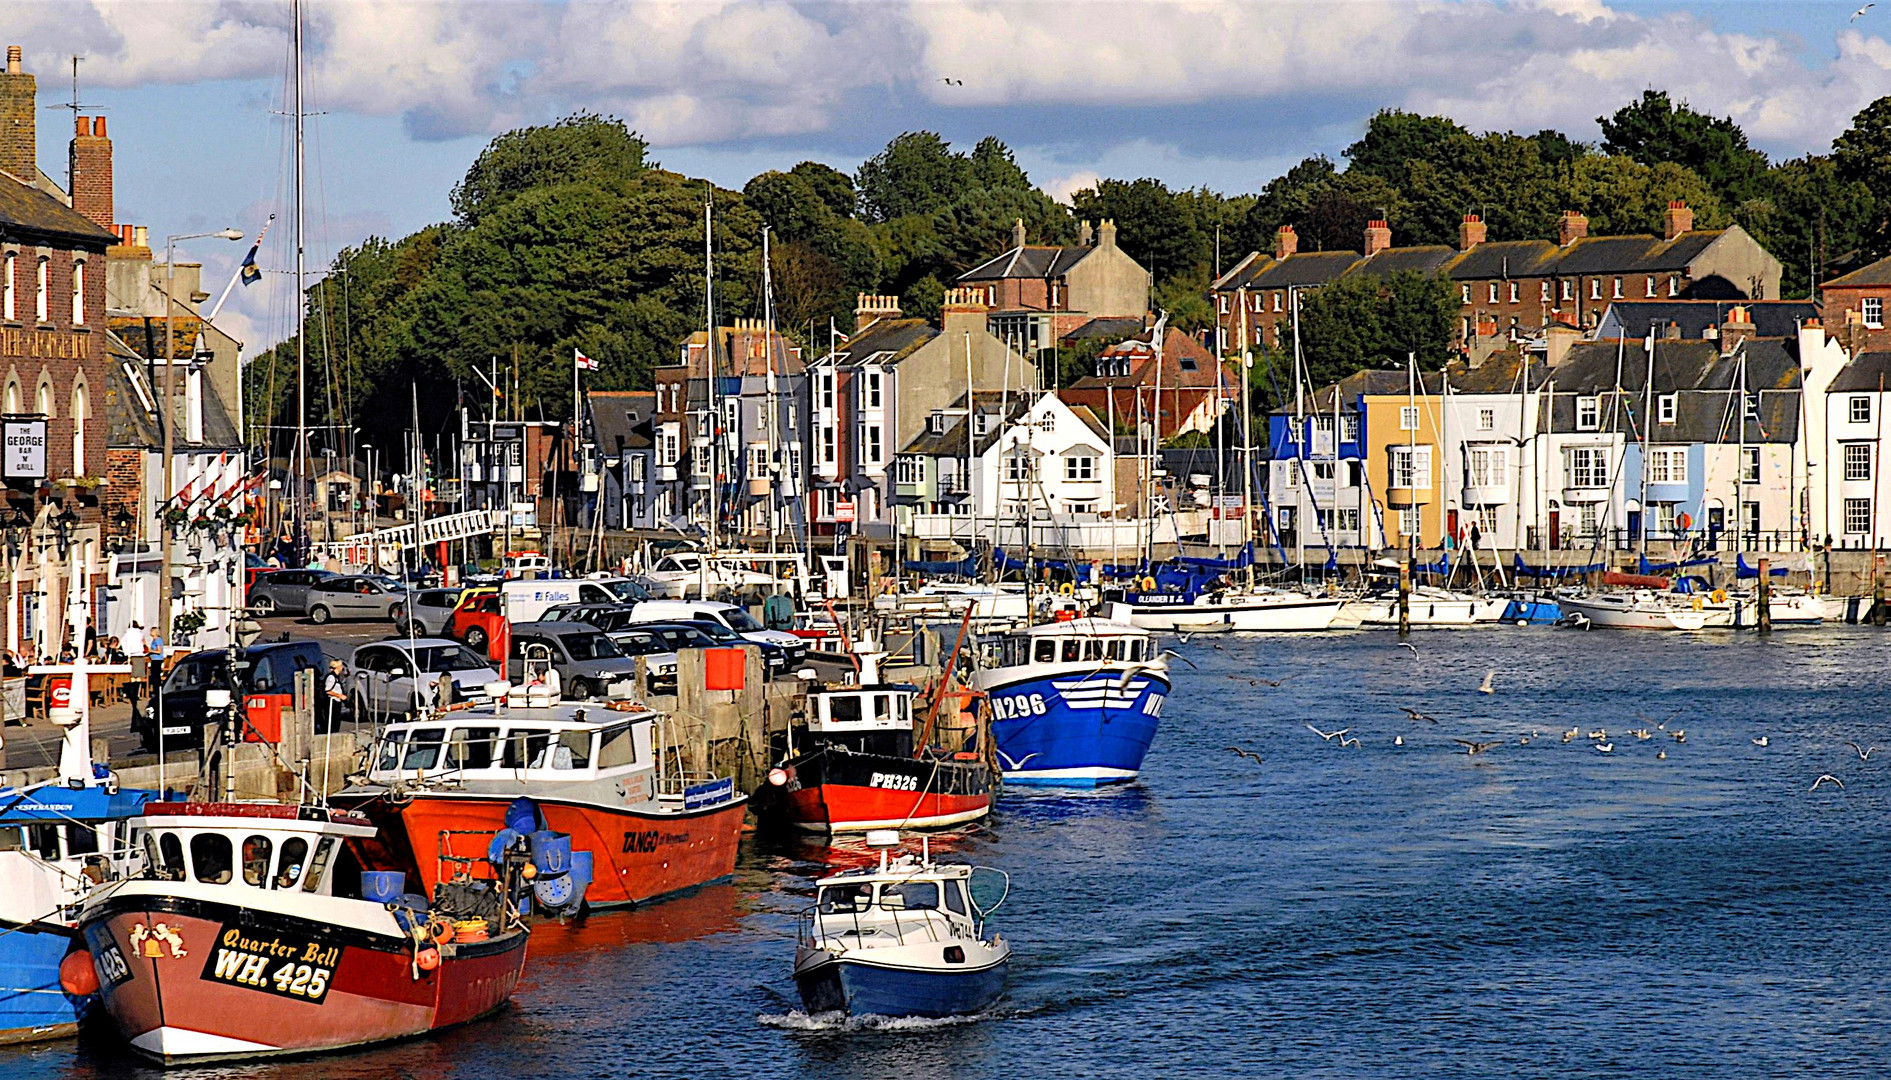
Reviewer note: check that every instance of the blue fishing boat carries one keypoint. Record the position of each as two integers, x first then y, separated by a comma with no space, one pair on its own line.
56,843
1073,703
905,938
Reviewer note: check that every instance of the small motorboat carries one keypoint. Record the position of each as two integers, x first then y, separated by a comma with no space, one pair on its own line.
904,938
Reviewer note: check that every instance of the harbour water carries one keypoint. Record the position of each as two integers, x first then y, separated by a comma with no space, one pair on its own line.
1541,908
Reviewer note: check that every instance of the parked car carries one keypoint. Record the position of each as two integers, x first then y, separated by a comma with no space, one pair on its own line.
433,610
659,657
606,617
729,615
588,664
356,596
401,676
266,672
774,657
477,622
285,592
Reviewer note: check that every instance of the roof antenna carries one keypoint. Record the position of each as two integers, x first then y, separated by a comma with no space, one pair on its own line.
76,108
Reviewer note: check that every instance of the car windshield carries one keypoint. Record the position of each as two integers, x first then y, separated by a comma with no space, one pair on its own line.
715,631
628,590
685,637
437,658
741,620
639,644
592,646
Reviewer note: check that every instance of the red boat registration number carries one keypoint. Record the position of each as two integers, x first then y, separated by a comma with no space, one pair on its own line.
894,782
299,969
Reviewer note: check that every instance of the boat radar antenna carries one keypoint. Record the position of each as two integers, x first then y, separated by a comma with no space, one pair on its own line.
883,841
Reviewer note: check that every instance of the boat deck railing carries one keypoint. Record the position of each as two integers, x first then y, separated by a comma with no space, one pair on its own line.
903,925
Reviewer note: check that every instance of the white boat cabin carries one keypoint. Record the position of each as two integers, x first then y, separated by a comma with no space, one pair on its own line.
57,843
861,708
266,847
1076,641
900,902
557,743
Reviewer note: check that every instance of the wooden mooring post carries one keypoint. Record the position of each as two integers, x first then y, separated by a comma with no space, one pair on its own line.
1405,597
1766,597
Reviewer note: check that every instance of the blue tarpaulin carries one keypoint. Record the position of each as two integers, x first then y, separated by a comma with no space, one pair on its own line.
1745,571
1557,572
1647,567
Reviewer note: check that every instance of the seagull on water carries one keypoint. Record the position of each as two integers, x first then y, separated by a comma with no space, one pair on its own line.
1863,752
1643,734
1398,740
1599,733
1680,734
1417,716
1606,747
1485,687
1661,755
1824,777
1761,741
1329,736
1252,681
1571,734
1247,754
1472,749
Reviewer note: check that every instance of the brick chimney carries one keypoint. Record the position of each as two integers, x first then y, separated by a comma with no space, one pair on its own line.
92,171
1084,234
1736,326
1017,233
1571,228
1286,242
1106,233
1471,232
1676,219
1378,237
868,308
19,131
963,311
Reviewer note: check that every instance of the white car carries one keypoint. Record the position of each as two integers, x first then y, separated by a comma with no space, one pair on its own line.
735,618
399,677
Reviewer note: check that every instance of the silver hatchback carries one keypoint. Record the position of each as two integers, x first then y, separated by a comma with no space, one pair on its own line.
356,596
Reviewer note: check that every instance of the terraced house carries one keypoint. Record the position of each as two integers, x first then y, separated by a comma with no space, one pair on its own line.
1507,289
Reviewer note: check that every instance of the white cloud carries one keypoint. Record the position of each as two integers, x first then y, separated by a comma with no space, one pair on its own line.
1064,187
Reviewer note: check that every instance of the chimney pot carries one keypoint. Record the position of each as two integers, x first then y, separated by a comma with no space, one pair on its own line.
140,236
98,127
1573,227
82,126
1471,232
1378,236
1677,219
1286,242
1017,233
13,60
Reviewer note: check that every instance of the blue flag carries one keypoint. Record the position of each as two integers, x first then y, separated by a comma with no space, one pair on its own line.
251,274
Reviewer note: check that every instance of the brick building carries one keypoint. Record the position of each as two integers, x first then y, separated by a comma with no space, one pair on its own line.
1124,385
1507,289
1039,294
1856,305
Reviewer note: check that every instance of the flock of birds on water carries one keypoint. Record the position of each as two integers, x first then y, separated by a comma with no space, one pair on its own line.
1599,739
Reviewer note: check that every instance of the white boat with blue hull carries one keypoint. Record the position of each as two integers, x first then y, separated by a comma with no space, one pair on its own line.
1073,703
905,938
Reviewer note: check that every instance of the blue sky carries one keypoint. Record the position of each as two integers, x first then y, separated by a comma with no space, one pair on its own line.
1195,92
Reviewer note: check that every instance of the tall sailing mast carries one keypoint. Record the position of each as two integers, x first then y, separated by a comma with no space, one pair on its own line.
713,420
299,457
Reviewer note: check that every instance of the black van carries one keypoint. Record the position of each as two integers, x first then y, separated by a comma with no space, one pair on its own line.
271,669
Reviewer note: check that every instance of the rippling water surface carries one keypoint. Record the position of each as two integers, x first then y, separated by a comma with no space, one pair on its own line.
1541,908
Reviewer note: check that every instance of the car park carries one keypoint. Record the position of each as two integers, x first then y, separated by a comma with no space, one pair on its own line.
284,592
401,676
708,634
264,686
356,596
659,658
589,665
432,611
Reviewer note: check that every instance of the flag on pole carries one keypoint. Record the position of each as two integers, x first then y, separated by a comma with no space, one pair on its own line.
584,362
251,274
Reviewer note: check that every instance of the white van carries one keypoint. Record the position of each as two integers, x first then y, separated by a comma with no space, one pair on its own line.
729,615
526,601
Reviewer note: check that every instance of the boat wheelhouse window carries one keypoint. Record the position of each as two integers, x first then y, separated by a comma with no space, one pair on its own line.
312,880
910,896
10,839
423,749
524,746
1093,649
845,899
882,707
391,750
1070,650
616,746
471,748
571,751
1135,649
289,862
844,709
81,839
256,860
954,899
210,857
44,840
1114,649
1046,651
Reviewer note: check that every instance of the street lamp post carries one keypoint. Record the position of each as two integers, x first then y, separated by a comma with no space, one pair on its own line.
167,416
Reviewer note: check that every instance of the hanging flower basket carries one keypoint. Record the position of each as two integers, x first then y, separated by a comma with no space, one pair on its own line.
175,517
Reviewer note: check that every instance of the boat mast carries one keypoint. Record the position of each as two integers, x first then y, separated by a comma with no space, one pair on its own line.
712,423
1247,441
1647,421
1300,434
1740,463
768,417
299,456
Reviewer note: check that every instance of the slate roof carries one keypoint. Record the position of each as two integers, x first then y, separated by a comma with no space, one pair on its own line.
1868,371
1505,258
1771,318
1028,262
1604,255
1676,254
1878,273
128,424
1304,268
622,418
900,337
1498,374
1107,327
1426,259
29,209
1705,385
951,441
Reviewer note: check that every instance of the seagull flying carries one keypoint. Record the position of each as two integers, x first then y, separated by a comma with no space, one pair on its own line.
1864,752
1417,716
1328,736
1409,645
953,82
1472,749
1247,754
1823,778
1354,741
1485,687
1856,15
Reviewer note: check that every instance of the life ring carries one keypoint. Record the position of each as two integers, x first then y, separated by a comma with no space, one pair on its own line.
1148,584
440,929
1067,588
1720,596
1697,603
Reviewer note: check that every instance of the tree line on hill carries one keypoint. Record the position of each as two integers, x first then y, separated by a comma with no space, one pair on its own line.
567,236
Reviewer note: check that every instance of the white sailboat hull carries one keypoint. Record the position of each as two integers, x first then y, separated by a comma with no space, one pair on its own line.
1432,611
1258,613
1636,615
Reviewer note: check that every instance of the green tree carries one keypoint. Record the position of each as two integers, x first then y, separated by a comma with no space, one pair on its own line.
1154,226
1366,321
583,148
1622,195
1863,156
1395,138
917,174
1656,131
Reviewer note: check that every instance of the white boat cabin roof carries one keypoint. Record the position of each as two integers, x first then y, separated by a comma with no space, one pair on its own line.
881,707
1089,627
264,846
566,741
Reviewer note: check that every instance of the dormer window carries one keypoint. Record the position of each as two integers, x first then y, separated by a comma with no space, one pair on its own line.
981,423
1588,413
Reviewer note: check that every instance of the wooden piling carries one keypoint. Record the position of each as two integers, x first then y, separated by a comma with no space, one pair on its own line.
1405,597
1766,597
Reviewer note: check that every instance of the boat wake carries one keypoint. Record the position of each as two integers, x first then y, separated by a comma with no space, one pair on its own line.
796,1020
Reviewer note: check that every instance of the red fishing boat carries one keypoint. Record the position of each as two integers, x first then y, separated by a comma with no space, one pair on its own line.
441,787
252,933
854,766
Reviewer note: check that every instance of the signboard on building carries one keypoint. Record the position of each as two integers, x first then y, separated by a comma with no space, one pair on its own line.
844,511
25,454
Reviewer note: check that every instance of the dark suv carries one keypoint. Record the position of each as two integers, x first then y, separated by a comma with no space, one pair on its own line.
267,671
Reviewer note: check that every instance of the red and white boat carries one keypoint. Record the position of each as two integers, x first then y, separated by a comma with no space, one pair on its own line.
248,936
442,786
858,764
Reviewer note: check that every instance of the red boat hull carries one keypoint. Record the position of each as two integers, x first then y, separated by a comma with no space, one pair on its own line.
206,999
636,857
843,792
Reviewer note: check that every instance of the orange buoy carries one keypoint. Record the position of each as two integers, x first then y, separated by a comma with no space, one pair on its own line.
528,871
428,959
77,976
441,930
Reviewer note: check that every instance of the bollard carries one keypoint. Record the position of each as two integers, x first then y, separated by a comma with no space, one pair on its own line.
1405,597
1766,598
1877,596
